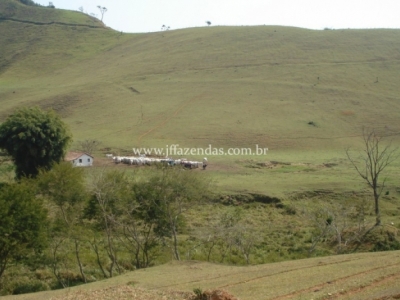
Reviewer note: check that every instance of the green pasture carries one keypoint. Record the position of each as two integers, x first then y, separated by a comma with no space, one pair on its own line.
306,95
303,94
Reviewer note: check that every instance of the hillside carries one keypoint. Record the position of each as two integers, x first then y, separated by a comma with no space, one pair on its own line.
16,11
304,94
356,276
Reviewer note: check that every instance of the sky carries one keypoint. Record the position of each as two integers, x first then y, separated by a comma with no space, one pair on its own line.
150,15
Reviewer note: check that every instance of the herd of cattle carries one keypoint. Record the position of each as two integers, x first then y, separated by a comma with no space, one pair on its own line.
143,160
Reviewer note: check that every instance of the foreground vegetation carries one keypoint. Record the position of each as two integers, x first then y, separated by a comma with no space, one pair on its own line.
304,94
356,276
105,222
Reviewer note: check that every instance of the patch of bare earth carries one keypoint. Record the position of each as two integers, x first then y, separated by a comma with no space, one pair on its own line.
214,295
126,292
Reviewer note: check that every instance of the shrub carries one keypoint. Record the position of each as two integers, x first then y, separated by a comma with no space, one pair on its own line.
389,243
199,294
312,123
289,209
31,286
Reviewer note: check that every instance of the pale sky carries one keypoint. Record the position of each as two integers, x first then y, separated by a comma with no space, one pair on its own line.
151,15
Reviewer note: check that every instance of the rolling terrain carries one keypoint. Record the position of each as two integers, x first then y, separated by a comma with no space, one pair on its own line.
225,86
304,94
356,276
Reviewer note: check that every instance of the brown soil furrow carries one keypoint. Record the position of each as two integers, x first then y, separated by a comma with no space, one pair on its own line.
286,271
241,273
336,281
375,283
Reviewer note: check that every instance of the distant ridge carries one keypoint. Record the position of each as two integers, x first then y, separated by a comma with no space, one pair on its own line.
260,85
15,11
48,23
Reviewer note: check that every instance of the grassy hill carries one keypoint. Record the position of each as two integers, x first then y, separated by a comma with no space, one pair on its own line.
355,276
304,94
17,11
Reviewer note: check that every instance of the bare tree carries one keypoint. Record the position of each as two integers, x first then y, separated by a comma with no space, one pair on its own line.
109,189
374,160
166,196
103,10
246,240
89,146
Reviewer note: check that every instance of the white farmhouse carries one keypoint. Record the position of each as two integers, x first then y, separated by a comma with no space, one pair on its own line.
79,159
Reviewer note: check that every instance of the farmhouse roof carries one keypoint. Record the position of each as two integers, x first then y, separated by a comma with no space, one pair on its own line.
75,155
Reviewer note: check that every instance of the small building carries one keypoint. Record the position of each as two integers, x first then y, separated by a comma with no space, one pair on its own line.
79,159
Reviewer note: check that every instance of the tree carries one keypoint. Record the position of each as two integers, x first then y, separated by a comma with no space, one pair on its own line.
208,23
64,186
375,159
103,10
166,196
89,146
35,140
109,189
23,222
6,168
29,2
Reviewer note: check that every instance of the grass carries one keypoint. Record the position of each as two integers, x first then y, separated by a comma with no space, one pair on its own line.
240,87
355,276
12,9
304,94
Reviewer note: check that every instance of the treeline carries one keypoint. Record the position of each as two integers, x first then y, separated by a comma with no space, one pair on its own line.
29,2
61,226
32,3
70,226
84,228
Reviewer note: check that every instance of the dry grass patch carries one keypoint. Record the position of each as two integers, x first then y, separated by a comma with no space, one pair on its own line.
125,292
347,113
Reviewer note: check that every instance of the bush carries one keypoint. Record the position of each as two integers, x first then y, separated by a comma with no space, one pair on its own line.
15,283
388,244
43,274
199,294
31,286
289,209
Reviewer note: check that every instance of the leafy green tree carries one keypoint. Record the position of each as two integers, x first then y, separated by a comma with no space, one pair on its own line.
35,140
6,169
64,186
23,222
